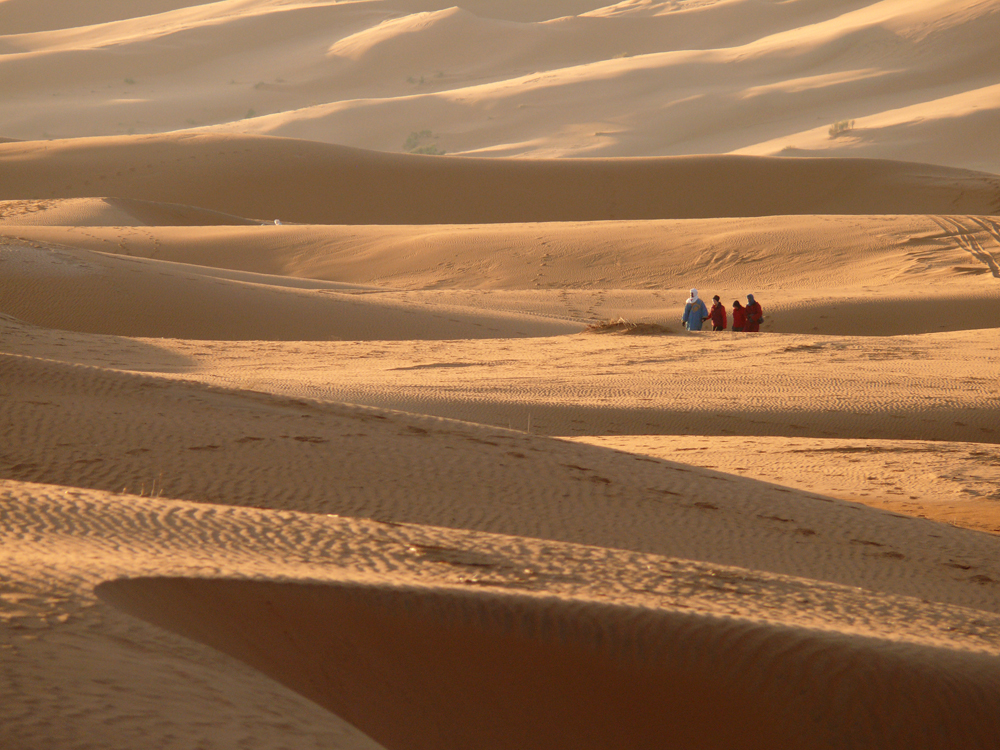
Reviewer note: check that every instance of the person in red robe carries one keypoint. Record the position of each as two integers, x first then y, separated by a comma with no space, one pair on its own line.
717,314
739,316
755,314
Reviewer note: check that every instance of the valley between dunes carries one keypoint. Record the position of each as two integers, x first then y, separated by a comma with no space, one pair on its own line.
314,436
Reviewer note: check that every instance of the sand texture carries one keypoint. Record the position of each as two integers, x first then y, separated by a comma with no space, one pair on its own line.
345,401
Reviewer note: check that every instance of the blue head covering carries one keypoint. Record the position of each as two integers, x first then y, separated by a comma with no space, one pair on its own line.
750,298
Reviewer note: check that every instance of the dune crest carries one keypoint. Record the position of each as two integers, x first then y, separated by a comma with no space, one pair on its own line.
354,394
495,671
570,78
267,178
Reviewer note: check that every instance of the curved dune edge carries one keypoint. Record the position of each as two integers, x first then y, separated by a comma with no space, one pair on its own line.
75,651
111,212
841,275
561,77
829,251
81,426
92,292
261,349
958,483
266,177
422,669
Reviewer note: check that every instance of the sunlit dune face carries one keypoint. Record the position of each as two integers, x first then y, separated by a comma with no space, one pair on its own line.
353,392
555,79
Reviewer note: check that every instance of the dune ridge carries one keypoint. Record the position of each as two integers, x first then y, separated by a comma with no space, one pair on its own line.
643,688
346,401
569,78
190,440
274,178
887,275
473,589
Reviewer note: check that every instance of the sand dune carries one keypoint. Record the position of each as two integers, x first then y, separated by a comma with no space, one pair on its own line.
109,212
837,275
324,423
955,482
298,181
81,290
188,440
840,252
562,78
475,589
644,691
259,421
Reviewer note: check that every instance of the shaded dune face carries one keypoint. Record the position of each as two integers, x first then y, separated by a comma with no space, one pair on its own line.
265,178
427,669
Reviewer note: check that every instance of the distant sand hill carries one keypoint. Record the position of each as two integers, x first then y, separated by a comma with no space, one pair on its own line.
340,408
914,81
268,178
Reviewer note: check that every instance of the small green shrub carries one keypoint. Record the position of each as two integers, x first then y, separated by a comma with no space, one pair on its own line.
841,127
416,143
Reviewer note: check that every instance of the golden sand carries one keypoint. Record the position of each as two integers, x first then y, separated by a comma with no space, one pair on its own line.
312,436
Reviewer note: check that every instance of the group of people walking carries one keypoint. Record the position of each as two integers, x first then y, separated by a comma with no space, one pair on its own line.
744,318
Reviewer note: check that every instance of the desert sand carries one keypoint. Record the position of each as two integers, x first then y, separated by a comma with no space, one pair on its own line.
345,400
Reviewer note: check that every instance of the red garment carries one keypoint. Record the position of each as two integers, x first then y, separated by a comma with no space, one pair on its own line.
739,318
755,314
718,316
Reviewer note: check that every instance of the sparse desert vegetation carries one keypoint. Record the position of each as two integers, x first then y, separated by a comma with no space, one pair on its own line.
422,142
841,127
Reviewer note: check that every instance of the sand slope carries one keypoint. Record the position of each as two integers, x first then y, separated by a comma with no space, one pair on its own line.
109,212
645,691
465,589
553,78
842,275
93,292
248,448
325,423
291,180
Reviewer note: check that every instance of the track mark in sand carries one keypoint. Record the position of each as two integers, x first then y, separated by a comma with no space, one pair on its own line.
965,229
983,579
960,566
867,543
473,439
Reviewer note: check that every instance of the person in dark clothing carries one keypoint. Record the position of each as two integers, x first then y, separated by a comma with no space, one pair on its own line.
755,314
739,316
717,314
